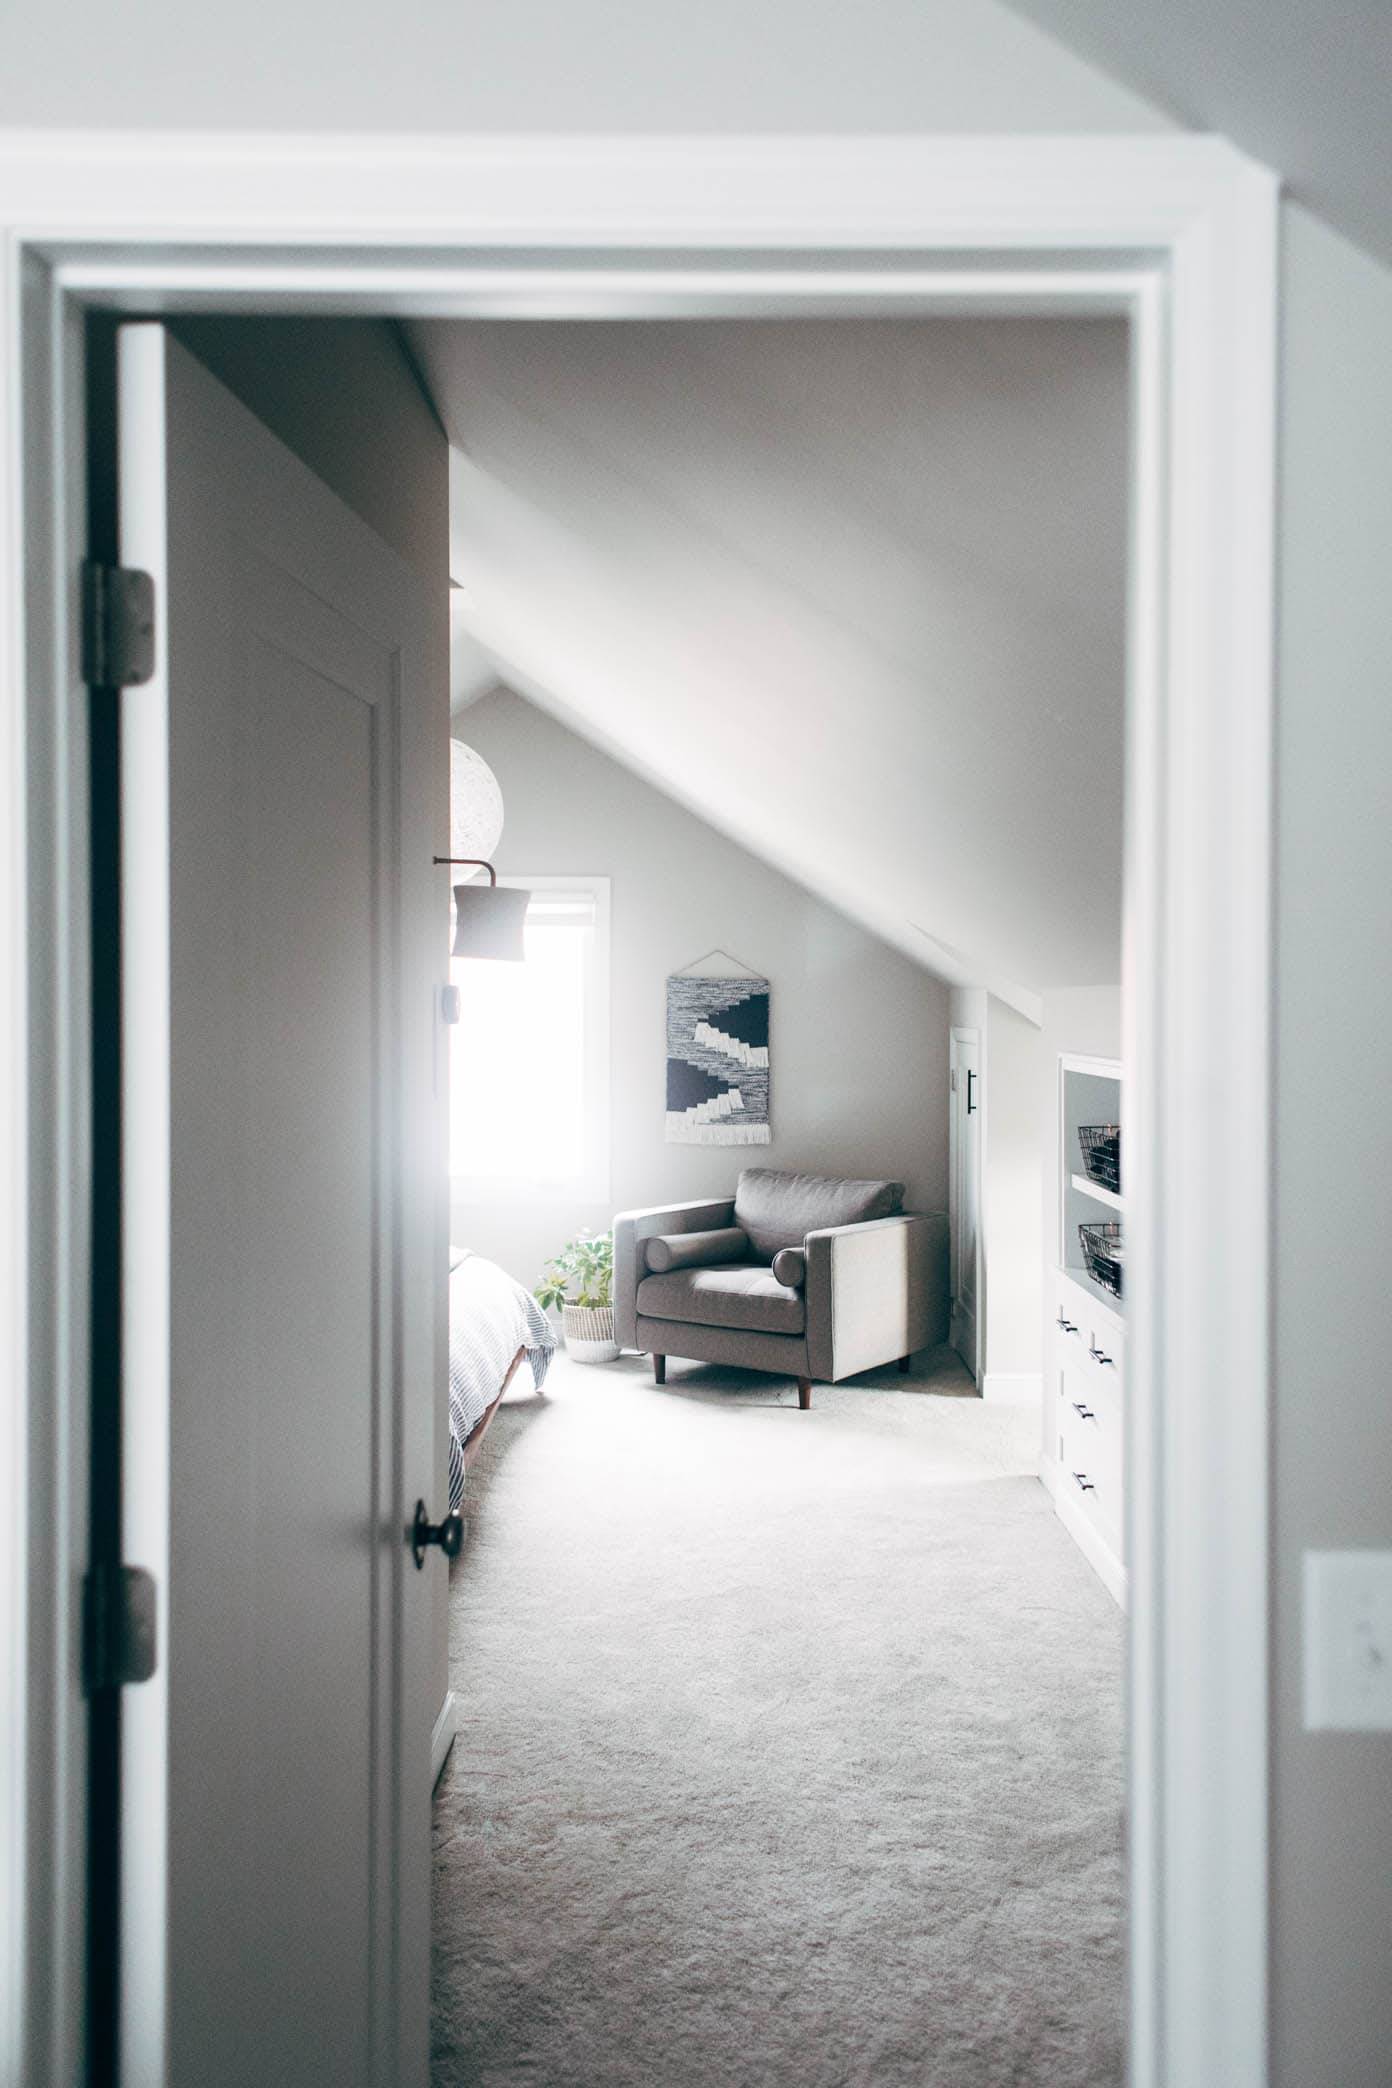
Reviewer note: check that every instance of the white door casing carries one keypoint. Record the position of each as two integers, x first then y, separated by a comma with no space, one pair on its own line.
278,1221
964,1196
1180,233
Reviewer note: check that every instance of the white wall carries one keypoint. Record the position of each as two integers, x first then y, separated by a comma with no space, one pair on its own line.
884,558
550,65
859,1033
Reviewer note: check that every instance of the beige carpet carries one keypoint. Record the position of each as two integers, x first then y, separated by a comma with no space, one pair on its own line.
790,1748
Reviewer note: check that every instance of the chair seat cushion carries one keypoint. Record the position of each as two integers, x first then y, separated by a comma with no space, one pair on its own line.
777,1209
746,1295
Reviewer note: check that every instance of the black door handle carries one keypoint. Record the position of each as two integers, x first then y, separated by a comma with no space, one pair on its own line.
971,1106
449,1535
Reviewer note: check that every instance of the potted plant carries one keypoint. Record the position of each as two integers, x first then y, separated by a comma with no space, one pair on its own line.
579,1284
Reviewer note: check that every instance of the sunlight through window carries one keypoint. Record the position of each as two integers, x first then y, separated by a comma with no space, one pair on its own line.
528,1060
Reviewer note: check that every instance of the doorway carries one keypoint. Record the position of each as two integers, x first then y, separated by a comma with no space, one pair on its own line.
1204,412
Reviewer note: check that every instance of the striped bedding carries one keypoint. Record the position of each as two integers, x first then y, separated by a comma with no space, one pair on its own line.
491,1316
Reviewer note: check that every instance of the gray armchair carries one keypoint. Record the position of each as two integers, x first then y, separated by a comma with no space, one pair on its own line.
802,1275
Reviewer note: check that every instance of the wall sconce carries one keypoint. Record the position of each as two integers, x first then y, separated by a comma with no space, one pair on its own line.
488,919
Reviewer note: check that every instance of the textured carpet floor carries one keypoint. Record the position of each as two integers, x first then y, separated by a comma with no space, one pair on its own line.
790,1748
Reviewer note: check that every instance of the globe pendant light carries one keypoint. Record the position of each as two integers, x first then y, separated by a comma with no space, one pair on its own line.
488,918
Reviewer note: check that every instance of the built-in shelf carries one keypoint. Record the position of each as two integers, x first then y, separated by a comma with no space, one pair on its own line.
1097,1192
1085,1383
1085,1280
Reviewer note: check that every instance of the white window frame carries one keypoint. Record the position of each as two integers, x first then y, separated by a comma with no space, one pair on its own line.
1179,234
592,1185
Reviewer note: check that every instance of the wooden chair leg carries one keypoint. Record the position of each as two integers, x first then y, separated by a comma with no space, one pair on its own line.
659,1370
904,1362
804,1393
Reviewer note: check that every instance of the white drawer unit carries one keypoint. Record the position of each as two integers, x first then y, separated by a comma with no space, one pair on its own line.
1084,1460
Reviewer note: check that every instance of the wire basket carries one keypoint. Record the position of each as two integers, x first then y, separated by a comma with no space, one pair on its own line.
1101,1144
1104,1254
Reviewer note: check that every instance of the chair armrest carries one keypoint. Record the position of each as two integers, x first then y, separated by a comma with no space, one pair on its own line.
869,1293
631,1228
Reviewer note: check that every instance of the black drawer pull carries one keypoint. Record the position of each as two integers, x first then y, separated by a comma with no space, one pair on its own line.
1067,1325
1097,1356
1084,1482
1084,1413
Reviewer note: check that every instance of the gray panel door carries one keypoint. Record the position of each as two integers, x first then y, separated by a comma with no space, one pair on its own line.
282,1141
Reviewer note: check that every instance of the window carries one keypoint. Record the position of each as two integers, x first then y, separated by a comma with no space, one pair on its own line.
529,1056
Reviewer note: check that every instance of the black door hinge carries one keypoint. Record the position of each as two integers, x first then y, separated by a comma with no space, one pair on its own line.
118,1627
118,626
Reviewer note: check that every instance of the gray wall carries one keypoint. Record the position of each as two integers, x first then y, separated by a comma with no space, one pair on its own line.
344,396
1333,1441
859,1032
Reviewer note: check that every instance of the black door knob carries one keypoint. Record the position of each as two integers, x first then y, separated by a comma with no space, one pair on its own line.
449,1535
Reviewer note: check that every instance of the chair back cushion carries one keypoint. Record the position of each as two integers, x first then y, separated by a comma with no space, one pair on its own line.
779,1210
723,1243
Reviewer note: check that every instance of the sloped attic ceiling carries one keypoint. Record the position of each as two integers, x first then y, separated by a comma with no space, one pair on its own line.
852,590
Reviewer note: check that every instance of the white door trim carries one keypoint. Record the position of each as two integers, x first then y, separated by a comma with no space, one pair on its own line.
442,1736
1180,232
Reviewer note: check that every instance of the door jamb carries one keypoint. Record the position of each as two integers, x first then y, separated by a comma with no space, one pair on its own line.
1178,232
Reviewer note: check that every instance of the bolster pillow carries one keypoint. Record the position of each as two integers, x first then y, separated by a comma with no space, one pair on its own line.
790,1267
689,1250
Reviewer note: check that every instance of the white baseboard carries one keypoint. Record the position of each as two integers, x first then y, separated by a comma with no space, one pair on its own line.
1104,1563
1013,1387
442,1738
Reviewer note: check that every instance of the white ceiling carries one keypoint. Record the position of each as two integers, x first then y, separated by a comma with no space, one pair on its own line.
852,590
1303,85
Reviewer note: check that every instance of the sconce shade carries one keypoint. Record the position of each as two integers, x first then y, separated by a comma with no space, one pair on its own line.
488,921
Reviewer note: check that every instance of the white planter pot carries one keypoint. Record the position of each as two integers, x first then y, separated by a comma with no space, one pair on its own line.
589,1333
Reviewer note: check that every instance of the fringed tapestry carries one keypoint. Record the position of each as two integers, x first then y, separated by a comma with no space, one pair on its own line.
717,1060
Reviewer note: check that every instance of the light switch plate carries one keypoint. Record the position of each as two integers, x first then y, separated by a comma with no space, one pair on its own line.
1348,1641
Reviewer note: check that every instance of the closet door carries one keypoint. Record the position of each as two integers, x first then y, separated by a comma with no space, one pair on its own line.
964,1197
281,920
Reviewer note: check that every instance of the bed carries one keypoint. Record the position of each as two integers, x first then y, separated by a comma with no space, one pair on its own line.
495,1324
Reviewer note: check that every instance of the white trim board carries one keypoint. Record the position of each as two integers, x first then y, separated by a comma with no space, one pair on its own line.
1013,1387
1177,232
442,1736
1108,1569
